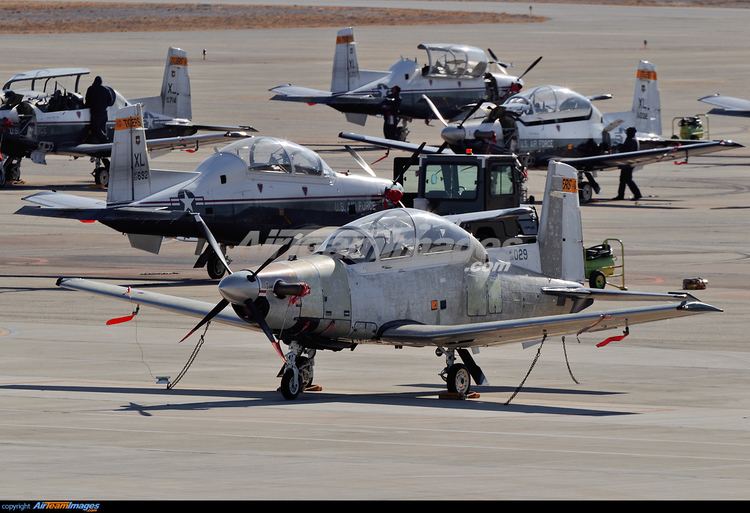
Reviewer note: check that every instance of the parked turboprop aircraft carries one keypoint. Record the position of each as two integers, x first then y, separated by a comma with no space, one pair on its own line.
554,122
453,76
407,277
244,192
44,120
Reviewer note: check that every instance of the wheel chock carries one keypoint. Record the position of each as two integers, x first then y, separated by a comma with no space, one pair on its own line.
458,397
314,388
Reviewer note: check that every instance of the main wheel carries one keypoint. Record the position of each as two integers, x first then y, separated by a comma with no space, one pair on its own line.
459,379
2,177
597,280
290,386
101,176
585,193
214,267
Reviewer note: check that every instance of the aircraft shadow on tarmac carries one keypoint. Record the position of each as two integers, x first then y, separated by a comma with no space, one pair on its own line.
246,399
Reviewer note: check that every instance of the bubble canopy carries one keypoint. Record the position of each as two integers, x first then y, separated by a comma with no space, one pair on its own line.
400,233
548,99
278,155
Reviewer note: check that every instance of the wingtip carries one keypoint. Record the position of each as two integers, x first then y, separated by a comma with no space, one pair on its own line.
697,306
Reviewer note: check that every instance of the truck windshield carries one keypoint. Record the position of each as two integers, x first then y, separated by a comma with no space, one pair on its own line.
451,181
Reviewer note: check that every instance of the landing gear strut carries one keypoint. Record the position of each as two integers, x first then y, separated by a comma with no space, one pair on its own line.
11,171
297,373
456,375
214,266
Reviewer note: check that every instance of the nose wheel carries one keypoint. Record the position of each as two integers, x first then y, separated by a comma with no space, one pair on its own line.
297,373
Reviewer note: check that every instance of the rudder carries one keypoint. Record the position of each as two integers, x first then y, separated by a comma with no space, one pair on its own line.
130,176
345,75
560,235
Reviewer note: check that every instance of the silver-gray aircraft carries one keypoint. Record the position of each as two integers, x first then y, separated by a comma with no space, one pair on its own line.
246,192
38,118
453,76
406,277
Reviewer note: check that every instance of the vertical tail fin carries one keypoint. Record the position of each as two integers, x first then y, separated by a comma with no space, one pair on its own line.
345,76
175,87
129,173
646,102
560,233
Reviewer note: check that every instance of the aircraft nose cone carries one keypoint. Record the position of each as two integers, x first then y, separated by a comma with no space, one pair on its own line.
453,134
236,288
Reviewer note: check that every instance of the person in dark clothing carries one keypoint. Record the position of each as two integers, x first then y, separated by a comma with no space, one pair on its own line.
626,172
98,98
391,106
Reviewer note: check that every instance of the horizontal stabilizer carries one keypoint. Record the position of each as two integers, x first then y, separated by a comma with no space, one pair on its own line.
291,93
51,199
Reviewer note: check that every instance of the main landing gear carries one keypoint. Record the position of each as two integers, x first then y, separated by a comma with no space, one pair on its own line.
297,373
455,375
10,171
101,172
458,376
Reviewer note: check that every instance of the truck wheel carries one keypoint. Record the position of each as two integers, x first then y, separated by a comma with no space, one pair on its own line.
597,280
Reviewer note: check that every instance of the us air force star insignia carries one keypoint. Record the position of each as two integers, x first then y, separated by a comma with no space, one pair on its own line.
187,199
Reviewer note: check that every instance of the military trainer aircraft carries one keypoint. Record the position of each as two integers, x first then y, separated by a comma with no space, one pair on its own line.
407,277
453,76
246,192
554,122
42,117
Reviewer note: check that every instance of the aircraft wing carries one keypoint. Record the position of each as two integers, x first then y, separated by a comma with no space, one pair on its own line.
187,142
390,143
727,104
650,156
182,306
534,328
488,215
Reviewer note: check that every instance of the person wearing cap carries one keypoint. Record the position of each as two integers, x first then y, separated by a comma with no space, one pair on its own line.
98,98
626,171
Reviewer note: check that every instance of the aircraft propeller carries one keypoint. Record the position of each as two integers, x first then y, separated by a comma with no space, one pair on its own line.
503,65
254,314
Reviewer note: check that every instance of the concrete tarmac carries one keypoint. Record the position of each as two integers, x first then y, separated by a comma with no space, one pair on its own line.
663,414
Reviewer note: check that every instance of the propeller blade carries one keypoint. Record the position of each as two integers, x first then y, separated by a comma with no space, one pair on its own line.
614,124
442,147
530,67
471,113
412,160
211,241
210,315
495,60
276,254
359,160
258,318
435,110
